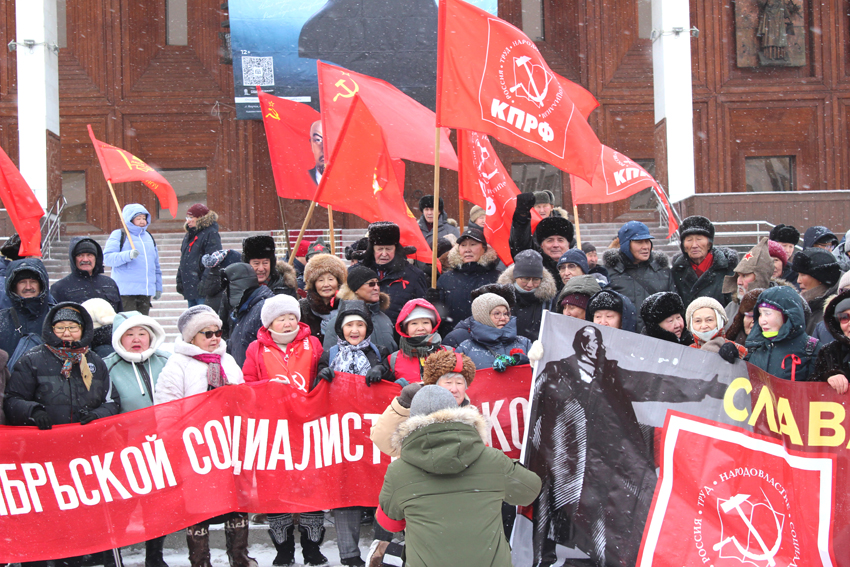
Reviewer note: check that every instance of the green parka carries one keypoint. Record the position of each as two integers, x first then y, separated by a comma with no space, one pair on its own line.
449,488
134,374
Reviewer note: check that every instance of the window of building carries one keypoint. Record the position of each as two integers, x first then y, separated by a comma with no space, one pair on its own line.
532,19
538,176
62,23
771,173
177,22
190,186
74,190
646,199
644,10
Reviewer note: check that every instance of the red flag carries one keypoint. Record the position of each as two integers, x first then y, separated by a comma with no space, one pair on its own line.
483,180
491,78
618,177
288,126
120,165
361,179
23,208
408,126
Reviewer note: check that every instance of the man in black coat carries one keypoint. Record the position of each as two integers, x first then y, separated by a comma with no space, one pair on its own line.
242,310
699,270
201,238
86,280
260,253
27,285
551,238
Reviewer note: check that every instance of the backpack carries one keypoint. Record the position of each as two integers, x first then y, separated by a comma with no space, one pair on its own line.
124,239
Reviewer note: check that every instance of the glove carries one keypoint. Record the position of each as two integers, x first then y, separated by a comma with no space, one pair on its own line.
134,254
214,259
407,394
157,295
41,419
503,362
729,353
433,295
326,374
535,353
524,203
374,375
87,416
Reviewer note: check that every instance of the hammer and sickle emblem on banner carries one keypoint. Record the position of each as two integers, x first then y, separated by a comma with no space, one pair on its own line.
348,92
272,113
132,161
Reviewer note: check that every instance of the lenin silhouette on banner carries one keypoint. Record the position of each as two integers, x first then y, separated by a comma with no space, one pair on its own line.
393,40
586,444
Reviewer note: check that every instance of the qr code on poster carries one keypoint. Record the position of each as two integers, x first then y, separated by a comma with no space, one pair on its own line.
257,71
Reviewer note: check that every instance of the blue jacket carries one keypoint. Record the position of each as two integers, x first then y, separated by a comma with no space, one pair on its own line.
141,276
486,342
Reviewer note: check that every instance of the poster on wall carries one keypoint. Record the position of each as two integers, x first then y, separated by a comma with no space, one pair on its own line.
276,43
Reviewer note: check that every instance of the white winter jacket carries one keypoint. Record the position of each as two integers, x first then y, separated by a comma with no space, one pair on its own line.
184,376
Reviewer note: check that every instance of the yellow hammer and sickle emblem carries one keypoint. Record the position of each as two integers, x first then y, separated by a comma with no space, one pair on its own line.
272,113
349,93
136,162
375,186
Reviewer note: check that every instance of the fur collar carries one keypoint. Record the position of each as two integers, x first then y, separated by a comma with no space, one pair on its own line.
613,259
346,294
467,415
287,274
205,221
488,260
545,292
318,305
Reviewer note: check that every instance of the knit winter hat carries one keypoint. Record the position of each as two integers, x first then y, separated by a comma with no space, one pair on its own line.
274,307
554,226
68,314
444,361
585,286
575,256
358,274
474,232
197,210
100,310
544,198
356,307
427,202
476,213
321,264
25,275
817,263
844,282
711,303
632,230
258,248
431,399
785,233
303,248
757,261
483,305
505,290
318,247
85,246
579,300
194,319
420,312
528,264
587,247
777,251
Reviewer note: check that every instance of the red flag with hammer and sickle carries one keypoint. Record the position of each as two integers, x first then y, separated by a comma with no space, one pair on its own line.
408,126
361,179
120,165
491,78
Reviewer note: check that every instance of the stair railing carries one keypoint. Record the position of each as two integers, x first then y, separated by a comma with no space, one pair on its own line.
51,224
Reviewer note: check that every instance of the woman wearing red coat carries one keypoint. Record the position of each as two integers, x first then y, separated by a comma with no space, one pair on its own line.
417,326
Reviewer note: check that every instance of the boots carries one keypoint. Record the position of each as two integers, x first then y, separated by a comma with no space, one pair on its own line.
236,541
282,533
311,549
153,553
198,541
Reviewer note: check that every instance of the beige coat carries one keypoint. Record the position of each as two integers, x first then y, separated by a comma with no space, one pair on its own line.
383,430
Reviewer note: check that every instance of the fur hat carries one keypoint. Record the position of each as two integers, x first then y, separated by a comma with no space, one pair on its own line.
12,247
318,247
711,303
427,202
553,226
659,306
484,304
101,311
445,361
321,264
383,233
359,245
431,399
274,307
574,256
757,261
506,291
748,303
528,264
785,234
544,198
358,274
610,300
194,319
474,232
817,263
353,307
476,213
257,248
777,251
197,210
695,224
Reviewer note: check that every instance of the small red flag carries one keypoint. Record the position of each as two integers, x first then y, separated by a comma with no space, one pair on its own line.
483,180
288,126
361,179
120,165
618,177
492,79
24,210
408,126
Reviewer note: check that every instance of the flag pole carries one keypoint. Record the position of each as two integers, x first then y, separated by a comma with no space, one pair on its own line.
436,236
578,225
120,216
459,211
331,235
285,227
307,218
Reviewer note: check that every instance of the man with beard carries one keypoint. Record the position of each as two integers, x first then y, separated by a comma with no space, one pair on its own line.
753,271
586,444
86,280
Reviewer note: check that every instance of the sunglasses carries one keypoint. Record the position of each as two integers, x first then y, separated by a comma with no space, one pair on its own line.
843,317
210,334
373,284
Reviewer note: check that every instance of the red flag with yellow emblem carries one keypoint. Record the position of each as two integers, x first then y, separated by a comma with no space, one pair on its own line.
23,208
120,165
361,179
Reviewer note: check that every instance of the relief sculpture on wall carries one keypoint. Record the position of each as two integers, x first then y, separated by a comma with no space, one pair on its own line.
770,33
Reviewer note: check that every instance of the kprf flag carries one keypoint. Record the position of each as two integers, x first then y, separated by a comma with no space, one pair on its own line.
120,165
23,208
361,179
288,125
409,127
492,79
483,180
618,177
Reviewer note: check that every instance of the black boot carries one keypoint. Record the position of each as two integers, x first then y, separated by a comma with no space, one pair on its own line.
285,549
310,549
153,553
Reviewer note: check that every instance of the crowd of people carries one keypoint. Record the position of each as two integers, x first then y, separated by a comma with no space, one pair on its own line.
86,348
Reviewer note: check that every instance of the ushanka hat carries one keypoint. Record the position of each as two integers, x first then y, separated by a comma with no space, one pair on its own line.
383,233
817,263
444,362
695,225
785,234
427,202
258,248
553,226
544,198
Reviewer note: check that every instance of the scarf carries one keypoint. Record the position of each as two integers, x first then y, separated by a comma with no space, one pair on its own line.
284,339
215,373
351,358
420,347
69,357
816,292
703,266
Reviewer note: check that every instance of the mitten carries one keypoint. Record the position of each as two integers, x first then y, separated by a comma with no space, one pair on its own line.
729,353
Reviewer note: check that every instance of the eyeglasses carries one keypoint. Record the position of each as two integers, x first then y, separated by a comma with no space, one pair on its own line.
529,280
69,329
501,315
843,317
209,334
374,283
749,314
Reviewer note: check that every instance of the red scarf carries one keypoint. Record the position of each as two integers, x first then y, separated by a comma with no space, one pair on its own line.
703,266
215,372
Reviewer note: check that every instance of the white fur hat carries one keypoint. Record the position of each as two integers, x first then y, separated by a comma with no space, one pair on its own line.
274,307
196,318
